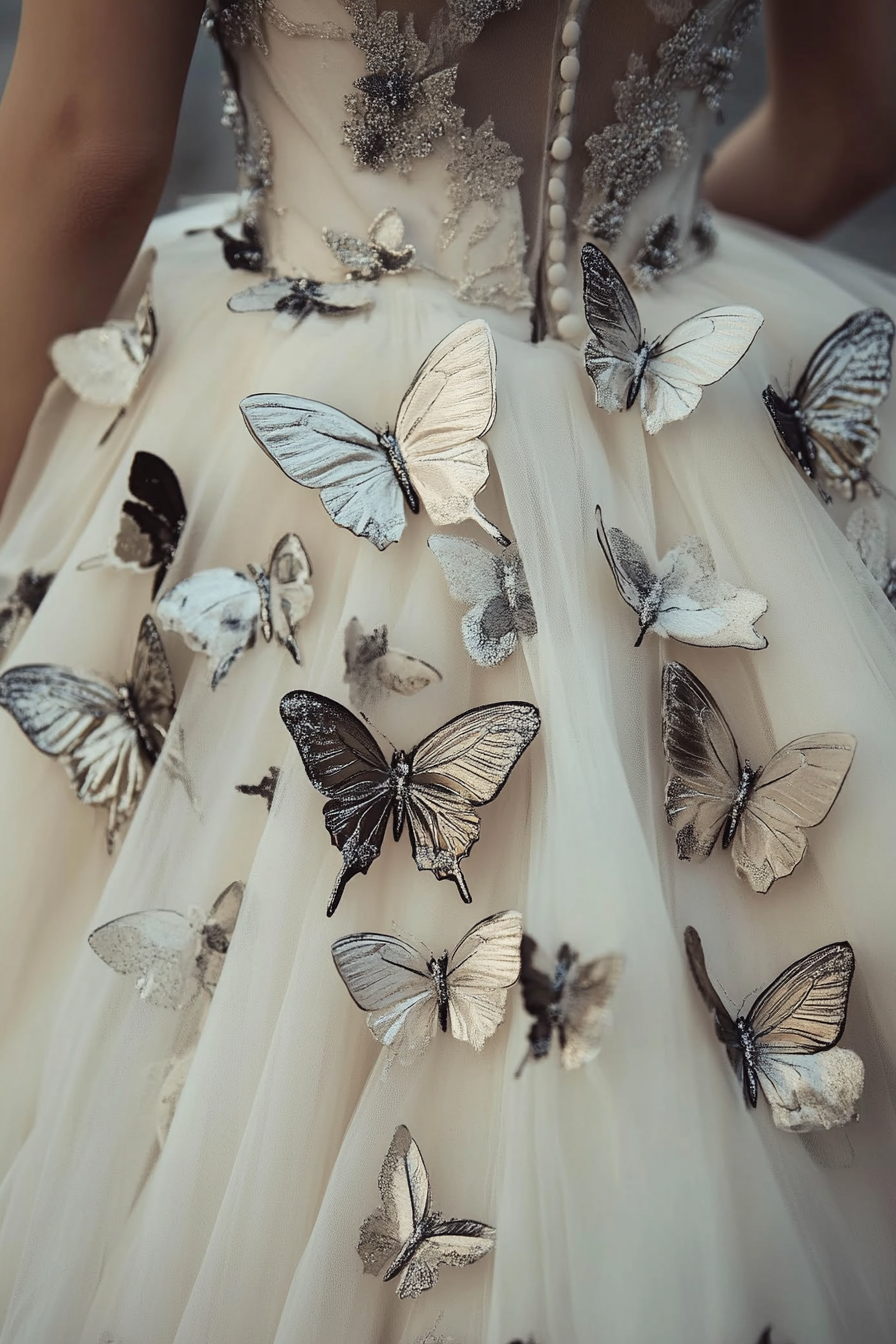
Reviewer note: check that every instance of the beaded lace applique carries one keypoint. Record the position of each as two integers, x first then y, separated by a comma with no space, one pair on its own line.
660,253
252,147
692,59
241,23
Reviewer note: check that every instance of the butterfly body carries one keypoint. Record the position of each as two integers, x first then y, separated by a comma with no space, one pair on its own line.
392,448
640,361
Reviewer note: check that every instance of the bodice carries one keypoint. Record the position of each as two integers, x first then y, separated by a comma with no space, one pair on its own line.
500,134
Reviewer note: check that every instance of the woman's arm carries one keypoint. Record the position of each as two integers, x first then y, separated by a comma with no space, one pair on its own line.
824,140
87,126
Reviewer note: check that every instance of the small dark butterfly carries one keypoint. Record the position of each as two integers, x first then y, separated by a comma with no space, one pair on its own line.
827,424
435,787
245,252
298,298
785,1044
572,1001
151,523
19,607
266,788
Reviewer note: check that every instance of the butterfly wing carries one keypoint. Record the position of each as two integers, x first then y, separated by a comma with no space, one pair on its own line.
261,298
866,528
722,1019
159,947
694,355
152,686
404,1190
803,1011
483,966
584,1007
629,565
461,766
102,365
55,707
343,762
403,674
291,590
452,1241
611,353
495,587
796,790
812,1092
320,447
702,753
226,910
215,612
449,406
392,982
151,522
217,933
697,607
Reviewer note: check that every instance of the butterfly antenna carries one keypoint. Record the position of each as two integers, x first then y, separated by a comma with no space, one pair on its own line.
494,532
108,434
525,1060
374,729
93,563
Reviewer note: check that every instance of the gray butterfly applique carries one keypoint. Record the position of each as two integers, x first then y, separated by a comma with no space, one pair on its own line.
296,299
373,669
383,252
495,588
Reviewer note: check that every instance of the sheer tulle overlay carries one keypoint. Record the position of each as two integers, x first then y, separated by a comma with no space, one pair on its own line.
634,1199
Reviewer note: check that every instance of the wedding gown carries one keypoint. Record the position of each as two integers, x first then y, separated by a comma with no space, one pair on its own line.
201,1175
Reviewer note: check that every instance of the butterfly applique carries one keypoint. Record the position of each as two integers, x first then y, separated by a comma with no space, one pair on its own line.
409,994
175,957
761,814
150,524
866,528
219,611
495,589
373,669
266,788
435,454
17,610
405,1236
827,424
107,734
573,1001
297,299
436,786
683,598
105,365
383,252
667,374
245,251
785,1044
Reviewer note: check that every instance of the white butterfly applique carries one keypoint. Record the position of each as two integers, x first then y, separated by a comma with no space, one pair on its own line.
435,454
667,374
373,669
384,252
219,611
495,588
107,734
175,957
866,528
17,610
105,365
409,994
297,299
406,1237
786,1045
683,598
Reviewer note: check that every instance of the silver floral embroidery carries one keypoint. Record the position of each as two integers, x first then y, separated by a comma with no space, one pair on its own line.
503,284
693,59
704,234
383,252
482,168
670,11
659,254
252,148
241,23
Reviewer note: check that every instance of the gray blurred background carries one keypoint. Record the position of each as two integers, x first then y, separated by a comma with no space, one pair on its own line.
203,157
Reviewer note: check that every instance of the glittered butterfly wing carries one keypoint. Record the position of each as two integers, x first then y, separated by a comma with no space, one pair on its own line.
629,566
449,406
404,1190
391,981
217,933
611,353
695,606
104,365
343,762
289,576
320,447
703,756
722,1019
452,1241
152,522
795,791
492,627
461,766
483,966
846,378
159,947
695,354
215,612
584,1008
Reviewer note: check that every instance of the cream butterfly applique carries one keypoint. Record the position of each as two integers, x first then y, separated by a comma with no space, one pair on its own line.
495,589
383,252
105,365
666,375
405,1238
786,1045
410,993
683,598
219,611
435,454
174,957
373,669
763,814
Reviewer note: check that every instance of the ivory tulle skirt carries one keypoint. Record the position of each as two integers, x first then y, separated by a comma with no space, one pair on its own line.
635,1199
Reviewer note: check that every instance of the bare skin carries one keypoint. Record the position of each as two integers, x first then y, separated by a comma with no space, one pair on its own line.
88,118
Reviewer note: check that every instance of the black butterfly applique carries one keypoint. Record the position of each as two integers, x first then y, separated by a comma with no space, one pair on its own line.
17,610
435,787
785,1044
572,1001
266,788
151,523
107,734
827,424
245,252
